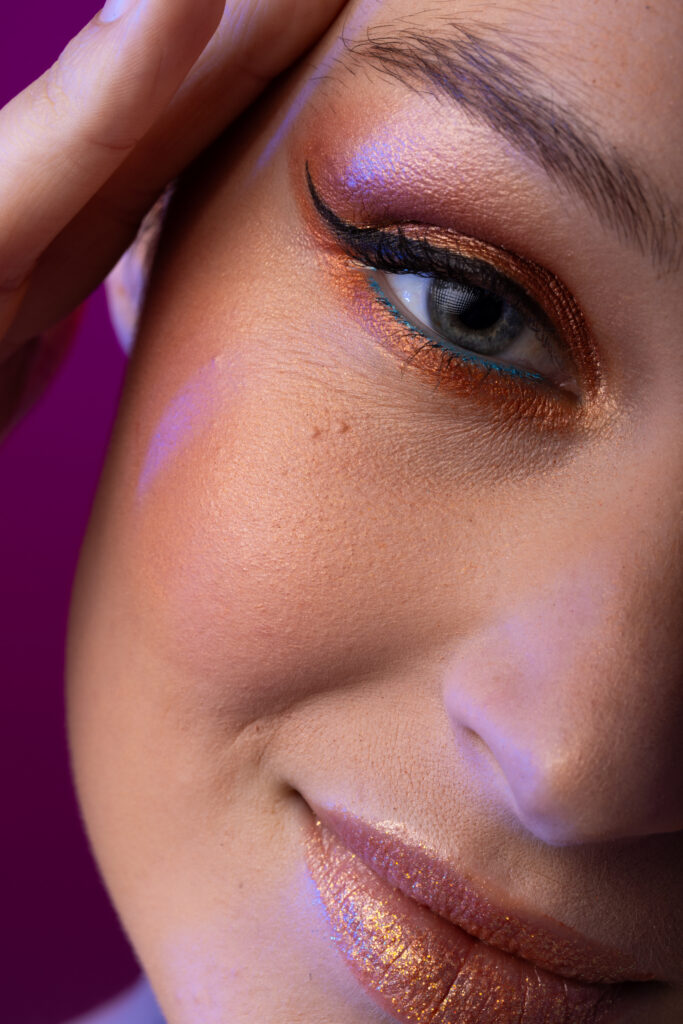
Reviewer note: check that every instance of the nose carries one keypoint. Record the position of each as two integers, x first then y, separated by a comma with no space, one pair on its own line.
571,706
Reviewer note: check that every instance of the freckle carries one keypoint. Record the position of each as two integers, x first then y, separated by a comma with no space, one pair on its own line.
343,428
316,433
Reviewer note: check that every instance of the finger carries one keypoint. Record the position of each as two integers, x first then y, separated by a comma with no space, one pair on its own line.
65,135
254,42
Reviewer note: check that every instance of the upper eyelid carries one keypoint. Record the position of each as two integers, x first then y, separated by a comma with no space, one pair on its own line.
408,258
450,264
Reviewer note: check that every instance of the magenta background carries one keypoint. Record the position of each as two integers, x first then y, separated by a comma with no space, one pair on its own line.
62,949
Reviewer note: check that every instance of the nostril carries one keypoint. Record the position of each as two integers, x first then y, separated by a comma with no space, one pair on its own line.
543,792
481,756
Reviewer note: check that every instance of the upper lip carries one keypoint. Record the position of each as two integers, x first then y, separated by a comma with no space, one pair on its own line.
435,884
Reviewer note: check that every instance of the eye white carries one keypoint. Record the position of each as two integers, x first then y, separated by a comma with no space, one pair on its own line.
412,291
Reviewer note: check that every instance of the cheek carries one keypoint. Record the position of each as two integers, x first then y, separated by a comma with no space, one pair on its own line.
281,537
263,562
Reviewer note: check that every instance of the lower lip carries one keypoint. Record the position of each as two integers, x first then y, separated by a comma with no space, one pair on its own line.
421,969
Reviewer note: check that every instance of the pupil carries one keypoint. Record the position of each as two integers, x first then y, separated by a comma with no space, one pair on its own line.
468,306
483,313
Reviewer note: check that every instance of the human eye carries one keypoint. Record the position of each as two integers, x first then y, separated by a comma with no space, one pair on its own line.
488,315
476,315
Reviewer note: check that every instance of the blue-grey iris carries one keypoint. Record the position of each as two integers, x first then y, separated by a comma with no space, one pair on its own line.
472,317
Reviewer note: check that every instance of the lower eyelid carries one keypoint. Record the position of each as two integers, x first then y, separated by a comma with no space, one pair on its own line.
511,399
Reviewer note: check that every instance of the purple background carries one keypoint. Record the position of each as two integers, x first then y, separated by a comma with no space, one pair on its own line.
62,949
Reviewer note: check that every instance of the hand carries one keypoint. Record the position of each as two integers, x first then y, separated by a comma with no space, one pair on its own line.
88,147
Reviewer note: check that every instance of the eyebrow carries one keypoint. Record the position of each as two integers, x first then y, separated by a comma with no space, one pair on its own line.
500,87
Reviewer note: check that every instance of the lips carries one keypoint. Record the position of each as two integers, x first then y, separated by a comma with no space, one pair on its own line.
429,949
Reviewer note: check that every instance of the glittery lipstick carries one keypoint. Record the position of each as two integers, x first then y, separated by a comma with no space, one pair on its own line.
431,950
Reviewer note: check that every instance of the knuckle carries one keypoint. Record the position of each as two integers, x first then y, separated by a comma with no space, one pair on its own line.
111,144
52,99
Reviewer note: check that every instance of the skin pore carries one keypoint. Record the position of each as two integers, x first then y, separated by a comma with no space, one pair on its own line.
327,567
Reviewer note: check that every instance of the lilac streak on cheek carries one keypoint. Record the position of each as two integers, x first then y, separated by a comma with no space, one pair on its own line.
187,414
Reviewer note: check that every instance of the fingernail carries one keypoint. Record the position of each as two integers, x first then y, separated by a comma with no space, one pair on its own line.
114,9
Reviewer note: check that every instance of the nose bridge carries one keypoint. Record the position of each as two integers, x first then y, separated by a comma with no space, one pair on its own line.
576,693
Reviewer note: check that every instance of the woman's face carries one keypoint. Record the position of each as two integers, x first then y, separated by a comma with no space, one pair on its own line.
402,544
